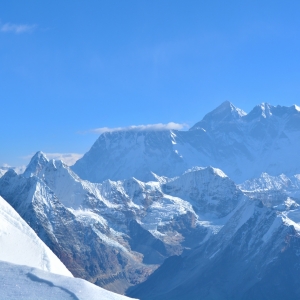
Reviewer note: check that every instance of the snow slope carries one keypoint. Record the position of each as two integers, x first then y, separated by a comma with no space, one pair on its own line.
19,244
27,283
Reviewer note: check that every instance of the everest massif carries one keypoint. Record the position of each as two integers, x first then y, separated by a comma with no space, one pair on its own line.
242,145
153,214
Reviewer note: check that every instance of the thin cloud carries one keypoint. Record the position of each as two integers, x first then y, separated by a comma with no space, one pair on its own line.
6,165
68,158
149,127
17,28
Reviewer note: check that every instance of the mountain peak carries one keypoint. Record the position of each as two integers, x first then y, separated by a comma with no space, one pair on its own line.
296,107
264,110
225,109
225,112
37,163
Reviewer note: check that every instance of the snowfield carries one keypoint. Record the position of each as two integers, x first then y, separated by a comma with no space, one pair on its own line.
26,283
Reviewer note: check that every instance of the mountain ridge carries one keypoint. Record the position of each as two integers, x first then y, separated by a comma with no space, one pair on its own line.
242,145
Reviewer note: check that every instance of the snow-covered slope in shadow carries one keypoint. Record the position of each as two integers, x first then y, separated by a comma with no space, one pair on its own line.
23,282
19,244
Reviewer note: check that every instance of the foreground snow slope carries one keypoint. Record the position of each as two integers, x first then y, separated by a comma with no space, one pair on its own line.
22,282
19,244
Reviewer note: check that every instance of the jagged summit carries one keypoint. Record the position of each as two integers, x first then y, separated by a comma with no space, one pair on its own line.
208,170
226,112
227,108
296,107
36,164
263,110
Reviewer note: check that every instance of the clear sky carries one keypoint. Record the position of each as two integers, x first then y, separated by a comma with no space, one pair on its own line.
68,67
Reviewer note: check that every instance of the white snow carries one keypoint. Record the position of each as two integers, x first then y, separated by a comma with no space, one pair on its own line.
297,107
26,283
19,244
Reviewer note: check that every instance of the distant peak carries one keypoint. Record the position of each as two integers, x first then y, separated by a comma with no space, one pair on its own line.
225,112
40,155
36,164
208,170
265,106
10,173
226,104
226,109
262,110
296,107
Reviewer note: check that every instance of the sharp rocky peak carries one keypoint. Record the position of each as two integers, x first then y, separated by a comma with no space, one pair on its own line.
10,173
37,163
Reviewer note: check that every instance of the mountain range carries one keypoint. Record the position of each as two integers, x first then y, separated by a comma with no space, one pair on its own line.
242,145
208,213
118,232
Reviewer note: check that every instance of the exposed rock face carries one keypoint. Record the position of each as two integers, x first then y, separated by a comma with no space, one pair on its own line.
83,243
242,145
254,256
116,233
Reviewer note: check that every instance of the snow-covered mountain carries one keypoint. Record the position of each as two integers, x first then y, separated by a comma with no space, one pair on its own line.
280,192
254,256
116,233
155,205
242,145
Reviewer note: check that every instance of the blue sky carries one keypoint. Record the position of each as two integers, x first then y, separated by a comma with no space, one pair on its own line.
68,67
